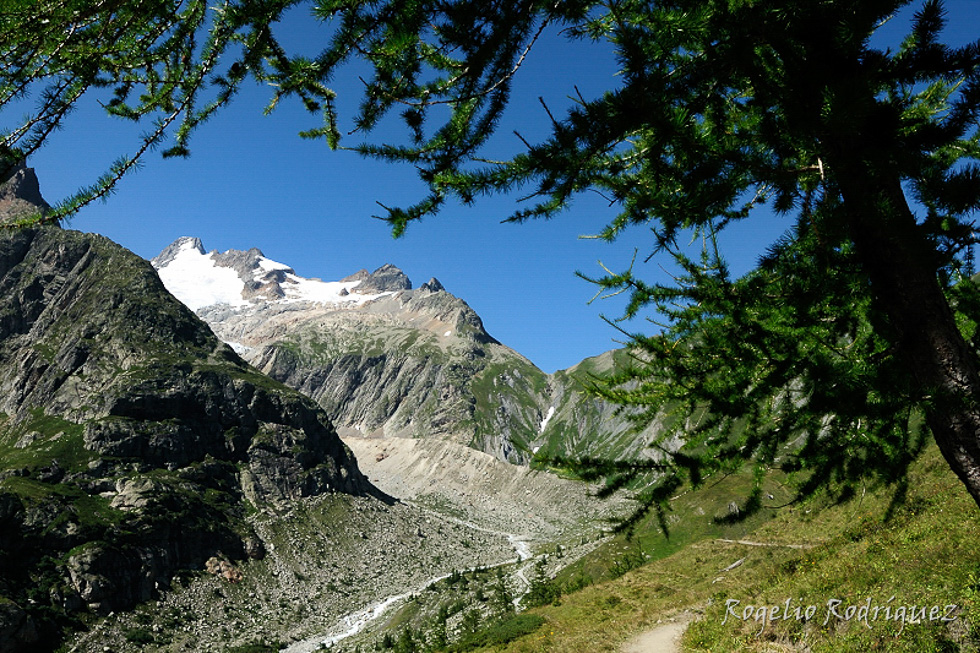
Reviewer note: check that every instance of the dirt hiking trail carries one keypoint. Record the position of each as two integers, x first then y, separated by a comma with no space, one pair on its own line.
664,638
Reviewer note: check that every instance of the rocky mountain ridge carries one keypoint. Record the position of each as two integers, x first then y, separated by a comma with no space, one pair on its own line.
150,476
133,443
20,193
386,360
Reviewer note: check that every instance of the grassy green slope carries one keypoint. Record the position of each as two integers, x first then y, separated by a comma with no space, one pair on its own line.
583,425
866,551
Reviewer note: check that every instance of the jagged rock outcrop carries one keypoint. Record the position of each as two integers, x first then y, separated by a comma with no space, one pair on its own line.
387,278
20,194
132,441
360,275
170,252
432,285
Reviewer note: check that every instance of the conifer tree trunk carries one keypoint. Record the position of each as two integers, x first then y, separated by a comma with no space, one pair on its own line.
917,316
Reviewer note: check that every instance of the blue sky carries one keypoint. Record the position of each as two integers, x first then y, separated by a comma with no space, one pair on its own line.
252,182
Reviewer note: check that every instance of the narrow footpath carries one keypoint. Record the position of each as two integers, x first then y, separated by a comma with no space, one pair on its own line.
664,638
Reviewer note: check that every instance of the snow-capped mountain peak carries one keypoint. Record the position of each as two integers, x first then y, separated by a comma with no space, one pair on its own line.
238,279
193,277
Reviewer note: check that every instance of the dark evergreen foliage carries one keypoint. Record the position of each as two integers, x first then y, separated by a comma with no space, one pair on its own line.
857,321
820,360
814,362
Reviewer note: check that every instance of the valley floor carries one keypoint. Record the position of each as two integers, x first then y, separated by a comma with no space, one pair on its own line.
450,561
338,565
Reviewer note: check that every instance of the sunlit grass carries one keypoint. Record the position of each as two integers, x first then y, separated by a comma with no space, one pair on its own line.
925,554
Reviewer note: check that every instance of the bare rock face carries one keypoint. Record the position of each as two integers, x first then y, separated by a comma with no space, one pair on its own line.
412,363
20,194
360,275
247,263
387,278
131,439
432,285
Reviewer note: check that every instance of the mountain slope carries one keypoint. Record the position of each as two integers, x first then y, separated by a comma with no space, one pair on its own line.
380,357
581,425
386,360
132,442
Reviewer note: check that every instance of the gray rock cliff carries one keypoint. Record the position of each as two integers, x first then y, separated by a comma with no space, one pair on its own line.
170,251
387,278
20,194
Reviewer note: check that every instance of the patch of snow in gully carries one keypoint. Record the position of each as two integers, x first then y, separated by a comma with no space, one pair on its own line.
547,418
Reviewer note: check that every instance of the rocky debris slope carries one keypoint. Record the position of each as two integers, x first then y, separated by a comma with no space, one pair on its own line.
455,480
332,559
384,359
133,443
327,557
